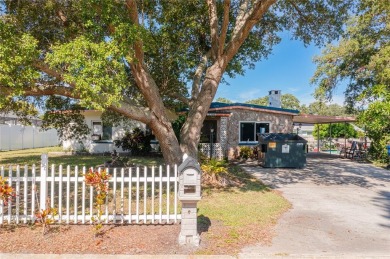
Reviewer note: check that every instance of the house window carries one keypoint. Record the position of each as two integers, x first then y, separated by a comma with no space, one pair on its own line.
104,132
249,130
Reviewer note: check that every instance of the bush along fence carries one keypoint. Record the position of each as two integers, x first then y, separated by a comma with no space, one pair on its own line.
137,195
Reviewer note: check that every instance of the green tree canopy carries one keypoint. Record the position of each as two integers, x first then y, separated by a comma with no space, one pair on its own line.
321,108
136,59
223,100
335,130
289,101
362,58
259,101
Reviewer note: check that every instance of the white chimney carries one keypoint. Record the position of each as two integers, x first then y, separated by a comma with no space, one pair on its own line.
274,98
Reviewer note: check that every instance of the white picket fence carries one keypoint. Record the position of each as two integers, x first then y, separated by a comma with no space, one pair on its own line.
136,195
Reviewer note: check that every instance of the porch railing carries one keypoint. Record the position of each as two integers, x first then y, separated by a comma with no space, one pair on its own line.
217,150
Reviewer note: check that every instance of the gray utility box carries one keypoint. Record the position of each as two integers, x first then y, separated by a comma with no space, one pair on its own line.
282,150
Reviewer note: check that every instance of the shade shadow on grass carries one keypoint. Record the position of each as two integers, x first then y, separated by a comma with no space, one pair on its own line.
204,224
247,181
75,160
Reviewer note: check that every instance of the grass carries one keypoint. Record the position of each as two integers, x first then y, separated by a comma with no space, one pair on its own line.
246,214
229,218
236,208
33,156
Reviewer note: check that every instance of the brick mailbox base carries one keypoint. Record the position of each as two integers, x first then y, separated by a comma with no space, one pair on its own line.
189,227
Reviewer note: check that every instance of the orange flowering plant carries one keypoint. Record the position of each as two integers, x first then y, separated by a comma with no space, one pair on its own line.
6,191
99,180
46,217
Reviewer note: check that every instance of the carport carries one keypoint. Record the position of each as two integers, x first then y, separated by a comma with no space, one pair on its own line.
320,119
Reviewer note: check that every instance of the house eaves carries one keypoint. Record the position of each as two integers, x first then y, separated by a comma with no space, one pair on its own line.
214,107
320,119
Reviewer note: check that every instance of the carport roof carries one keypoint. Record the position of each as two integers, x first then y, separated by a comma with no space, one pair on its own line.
320,119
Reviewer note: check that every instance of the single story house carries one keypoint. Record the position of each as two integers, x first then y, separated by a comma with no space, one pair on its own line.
101,139
229,126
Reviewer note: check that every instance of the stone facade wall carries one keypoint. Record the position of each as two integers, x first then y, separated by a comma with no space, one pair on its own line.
278,123
223,131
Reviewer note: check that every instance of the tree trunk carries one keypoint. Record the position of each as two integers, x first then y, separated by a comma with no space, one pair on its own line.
169,144
190,132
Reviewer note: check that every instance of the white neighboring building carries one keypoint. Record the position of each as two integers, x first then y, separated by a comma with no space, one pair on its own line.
306,131
101,138
15,136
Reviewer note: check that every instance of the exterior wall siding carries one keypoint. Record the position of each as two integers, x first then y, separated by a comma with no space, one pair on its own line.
103,145
282,123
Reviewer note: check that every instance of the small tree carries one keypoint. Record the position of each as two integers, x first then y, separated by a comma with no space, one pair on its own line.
99,180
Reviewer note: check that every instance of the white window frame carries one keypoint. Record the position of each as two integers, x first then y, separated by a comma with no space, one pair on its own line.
93,129
239,131
101,130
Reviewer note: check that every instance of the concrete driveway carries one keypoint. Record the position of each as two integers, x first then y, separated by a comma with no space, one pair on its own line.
340,208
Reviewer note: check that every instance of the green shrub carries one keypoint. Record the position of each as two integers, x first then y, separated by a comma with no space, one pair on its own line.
215,173
214,166
202,158
136,142
246,152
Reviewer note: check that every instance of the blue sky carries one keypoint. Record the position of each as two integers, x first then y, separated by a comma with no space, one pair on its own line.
289,69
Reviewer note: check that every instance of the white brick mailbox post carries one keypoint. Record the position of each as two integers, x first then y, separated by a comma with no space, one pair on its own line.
189,195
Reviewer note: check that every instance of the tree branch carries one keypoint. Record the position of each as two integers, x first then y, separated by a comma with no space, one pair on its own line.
141,114
51,72
225,24
198,76
300,13
179,97
213,17
241,17
126,107
244,27
51,90
133,12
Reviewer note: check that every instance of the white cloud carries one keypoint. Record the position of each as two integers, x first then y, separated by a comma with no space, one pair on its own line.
250,94
292,89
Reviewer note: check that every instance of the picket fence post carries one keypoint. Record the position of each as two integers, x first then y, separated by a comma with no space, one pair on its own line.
43,189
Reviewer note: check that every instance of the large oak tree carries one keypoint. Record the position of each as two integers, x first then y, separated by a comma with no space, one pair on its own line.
143,59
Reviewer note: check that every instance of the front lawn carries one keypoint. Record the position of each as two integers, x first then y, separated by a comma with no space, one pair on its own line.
238,216
33,156
229,218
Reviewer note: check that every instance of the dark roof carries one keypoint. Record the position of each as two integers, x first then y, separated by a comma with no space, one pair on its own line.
218,105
